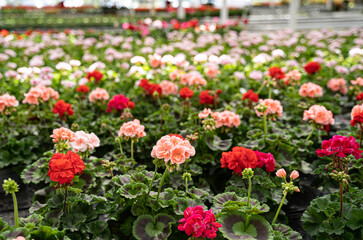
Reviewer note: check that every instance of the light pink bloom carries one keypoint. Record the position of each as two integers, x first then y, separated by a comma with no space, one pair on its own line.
274,107
206,112
338,85
99,94
358,81
310,90
294,174
63,134
281,173
7,101
226,118
168,88
132,129
319,114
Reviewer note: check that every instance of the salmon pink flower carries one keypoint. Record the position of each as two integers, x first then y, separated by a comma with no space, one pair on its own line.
63,134
132,129
6,102
338,85
319,115
356,115
281,173
274,108
168,88
99,94
311,90
294,174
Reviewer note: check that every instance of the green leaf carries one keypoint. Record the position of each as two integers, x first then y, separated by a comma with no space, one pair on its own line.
47,233
216,143
148,227
354,218
283,232
132,190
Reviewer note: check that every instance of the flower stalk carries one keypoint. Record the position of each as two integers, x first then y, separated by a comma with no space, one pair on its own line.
161,183
132,148
151,183
248,174
311,133
10,186
278,210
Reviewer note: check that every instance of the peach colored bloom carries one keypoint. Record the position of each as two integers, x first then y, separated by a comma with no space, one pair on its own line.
84,142
274,108
63,134
212,71
132,129
226,118
319,114
297,189
155,60
99,94
192,78
173,149
7,101
168,88
358,81
294,174
281,173
338,85
40,92
310,90
292,77
206,112
175,74
356,111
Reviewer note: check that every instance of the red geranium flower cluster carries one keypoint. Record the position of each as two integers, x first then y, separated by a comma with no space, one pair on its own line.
276,72
312,67
186,93
209,97
150,87
359,96
63,167
250,95
340,146
200,223
62,107
119,103
82,89
97,75
265,159
238,159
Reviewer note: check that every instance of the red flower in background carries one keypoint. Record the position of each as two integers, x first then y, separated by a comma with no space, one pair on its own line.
97,75
82,89
276,72
119,103
186,93
312,67
150,87
63,167
250,95
209,97
131,105
62,107
238,159
4,32
359,96
177,135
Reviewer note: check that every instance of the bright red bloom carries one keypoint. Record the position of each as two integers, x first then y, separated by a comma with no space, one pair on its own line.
82,89
276,72
97,75
62,107
359,96
341,146
4,32
312,67
63,167
209,97
238,159
118,102
131,105
251,96
177,135
186,93
265,159
150,87
199,223
356,119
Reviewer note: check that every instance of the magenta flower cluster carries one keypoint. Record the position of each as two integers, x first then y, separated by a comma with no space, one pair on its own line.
265,159
341,146
200,223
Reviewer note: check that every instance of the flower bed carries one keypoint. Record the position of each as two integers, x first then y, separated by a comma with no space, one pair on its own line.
203,132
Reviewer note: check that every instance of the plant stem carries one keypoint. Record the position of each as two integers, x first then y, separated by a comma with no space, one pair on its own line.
269,92
111,173
132,148
260,89
278,210
249,191
341,200
311,133
186,185
151,183
65,199
119,142
15,209
161,183
265,123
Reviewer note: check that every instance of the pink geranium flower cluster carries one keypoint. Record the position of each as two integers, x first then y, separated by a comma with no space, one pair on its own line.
84,142
292,77
265,159
63,134
7,101
192,79
173,149
99,94
225,118
358,81
319,115
132,129
338,85
199,223
168,88
340,146
40,92
311,90
274,108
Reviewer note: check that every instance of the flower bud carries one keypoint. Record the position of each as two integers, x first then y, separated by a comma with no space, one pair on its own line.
281,173
294,175
10,186
247,173
187,176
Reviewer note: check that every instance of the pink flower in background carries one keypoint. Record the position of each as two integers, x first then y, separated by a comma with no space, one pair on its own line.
293,77
206,112
132,129
319,114
274,108
212,71
173,149
63,134
341,146
338,85
226,118
192,78
40,93
99,94
358,81
84,142
7,101
168,88
311,90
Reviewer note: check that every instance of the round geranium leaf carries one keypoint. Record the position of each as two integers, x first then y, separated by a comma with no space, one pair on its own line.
122,180
147,227
139,178
283,232
238,226
215,143
183,203
220,199
132,190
